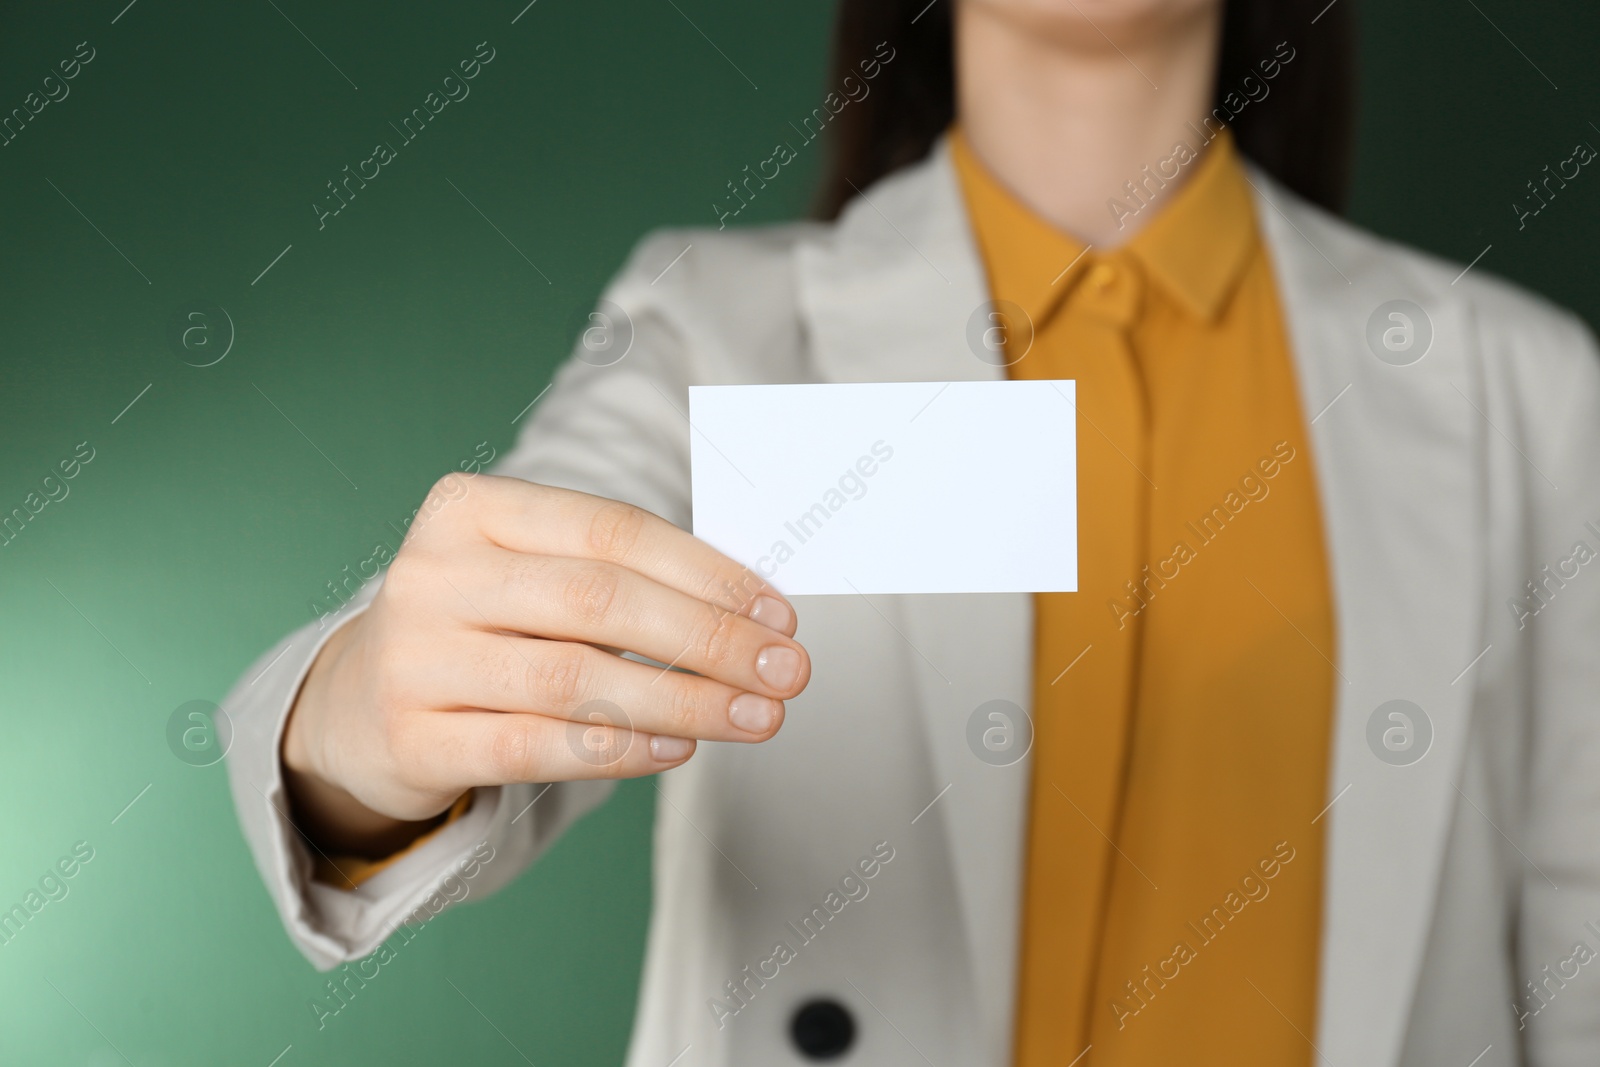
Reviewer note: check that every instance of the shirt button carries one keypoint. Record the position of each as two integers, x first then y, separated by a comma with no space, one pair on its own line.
1102,277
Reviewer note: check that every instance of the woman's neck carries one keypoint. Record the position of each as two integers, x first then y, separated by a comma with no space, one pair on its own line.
1063,117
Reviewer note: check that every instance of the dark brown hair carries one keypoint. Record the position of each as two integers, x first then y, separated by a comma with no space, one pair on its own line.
1300,133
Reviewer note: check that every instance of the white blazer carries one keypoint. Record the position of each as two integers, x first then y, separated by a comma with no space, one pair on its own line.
1447,487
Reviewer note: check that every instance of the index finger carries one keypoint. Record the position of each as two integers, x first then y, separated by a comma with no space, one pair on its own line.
539,519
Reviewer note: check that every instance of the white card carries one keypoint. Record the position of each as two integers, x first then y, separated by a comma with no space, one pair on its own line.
892,487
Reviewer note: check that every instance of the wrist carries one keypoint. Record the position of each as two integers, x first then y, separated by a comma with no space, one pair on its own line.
334,821
324,811
299,751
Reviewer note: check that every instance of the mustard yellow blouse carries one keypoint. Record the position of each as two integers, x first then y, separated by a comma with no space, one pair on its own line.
1183,696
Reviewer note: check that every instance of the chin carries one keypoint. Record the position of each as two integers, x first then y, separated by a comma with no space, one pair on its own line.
1090,22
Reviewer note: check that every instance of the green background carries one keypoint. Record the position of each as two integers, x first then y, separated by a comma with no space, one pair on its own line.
397,338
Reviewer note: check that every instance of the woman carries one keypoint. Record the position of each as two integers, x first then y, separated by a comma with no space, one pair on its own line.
1313,742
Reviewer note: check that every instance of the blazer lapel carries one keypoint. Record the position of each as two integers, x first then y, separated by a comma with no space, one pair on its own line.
887,295
1397,455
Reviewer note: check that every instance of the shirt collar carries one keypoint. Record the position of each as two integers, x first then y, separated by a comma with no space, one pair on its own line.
1195,247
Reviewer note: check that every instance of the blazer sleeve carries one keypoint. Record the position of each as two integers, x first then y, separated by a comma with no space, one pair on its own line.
613,423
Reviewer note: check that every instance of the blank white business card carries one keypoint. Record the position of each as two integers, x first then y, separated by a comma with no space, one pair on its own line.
891,487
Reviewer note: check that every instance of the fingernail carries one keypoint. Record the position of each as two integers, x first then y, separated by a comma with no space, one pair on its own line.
665,749
778,666
752,712
773,613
